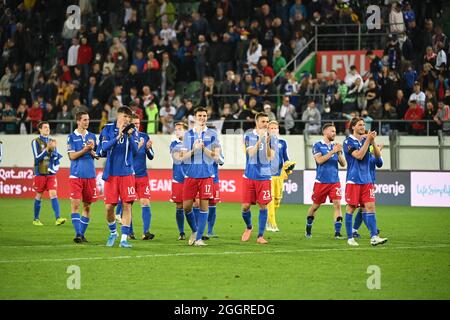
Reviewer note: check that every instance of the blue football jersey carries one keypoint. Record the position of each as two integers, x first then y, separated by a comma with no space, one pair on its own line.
83,167
281,157
258,166
374,164
216,167
199,165
328,171
119,152
140,159
178,166
358,171
40,154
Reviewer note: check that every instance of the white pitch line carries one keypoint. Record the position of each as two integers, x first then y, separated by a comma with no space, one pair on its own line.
75,246
220,253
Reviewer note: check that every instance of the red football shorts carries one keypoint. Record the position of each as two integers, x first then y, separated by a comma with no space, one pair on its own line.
323,190
256,191
177,192
203,187
216,195
359,194
44,183
142,188
120,186
83,189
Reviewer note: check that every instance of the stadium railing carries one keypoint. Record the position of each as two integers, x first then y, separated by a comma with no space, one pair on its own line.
351,36
383,127
343,39
297,59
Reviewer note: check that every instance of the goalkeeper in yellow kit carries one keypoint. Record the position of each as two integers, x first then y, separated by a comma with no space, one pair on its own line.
281,168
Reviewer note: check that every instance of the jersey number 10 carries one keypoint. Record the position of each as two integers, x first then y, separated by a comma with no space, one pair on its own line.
131,190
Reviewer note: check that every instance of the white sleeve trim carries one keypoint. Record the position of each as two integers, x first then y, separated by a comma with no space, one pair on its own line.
35,150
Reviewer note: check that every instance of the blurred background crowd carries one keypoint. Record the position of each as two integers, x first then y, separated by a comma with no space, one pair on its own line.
165,58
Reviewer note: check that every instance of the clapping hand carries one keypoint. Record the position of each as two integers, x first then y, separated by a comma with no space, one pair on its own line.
198,144
51,145
141,143
121,127
94,155
337,148
90,144
371,136
262,134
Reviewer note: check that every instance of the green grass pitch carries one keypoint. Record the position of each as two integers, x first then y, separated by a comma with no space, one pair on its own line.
414,264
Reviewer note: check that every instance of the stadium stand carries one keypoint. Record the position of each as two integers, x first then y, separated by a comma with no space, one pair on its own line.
234,57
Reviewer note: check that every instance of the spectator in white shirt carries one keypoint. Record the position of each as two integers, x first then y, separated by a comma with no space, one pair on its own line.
287,114
72,54
128,12
166,114
254,52
351,77
418,95
167,33
441,59
397,24
313,117
268,111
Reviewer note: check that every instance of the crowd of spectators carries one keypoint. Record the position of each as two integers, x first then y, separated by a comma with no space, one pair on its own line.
229,56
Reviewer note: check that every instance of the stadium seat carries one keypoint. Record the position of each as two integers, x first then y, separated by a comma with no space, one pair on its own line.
193,88
180,88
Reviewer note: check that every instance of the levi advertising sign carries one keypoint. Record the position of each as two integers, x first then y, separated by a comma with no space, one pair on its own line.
341,61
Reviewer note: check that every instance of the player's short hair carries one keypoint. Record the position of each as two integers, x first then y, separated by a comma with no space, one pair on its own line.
126,110
274,122
260,115
354,121
41,123
200,109
183,124
80,115
134,116
327,125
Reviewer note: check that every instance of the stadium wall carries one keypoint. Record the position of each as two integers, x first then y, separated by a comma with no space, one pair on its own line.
415,153
392,188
